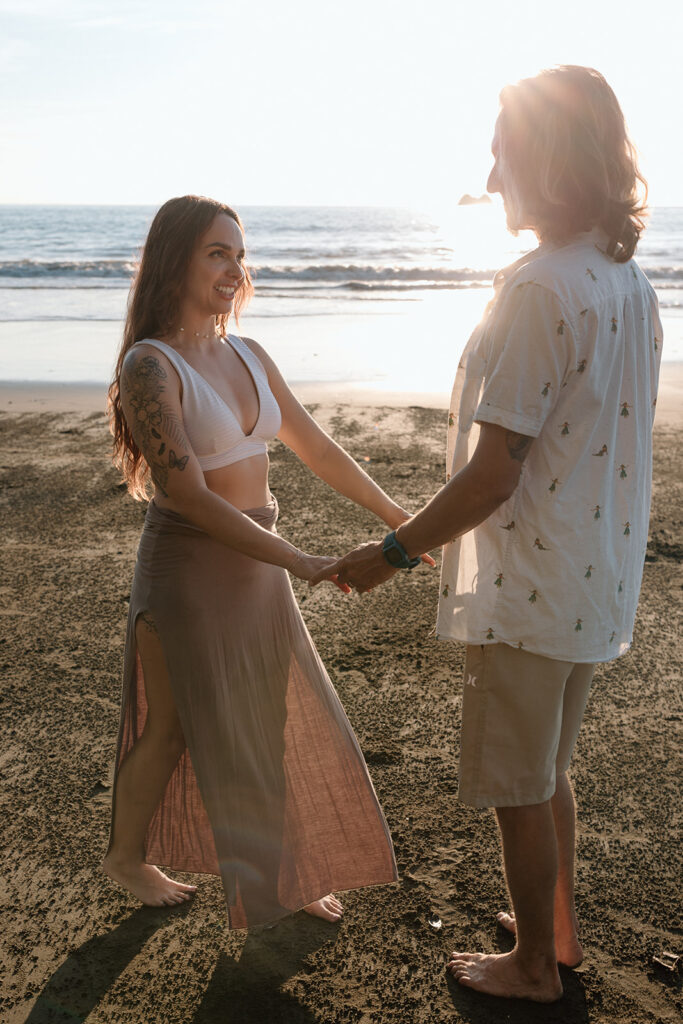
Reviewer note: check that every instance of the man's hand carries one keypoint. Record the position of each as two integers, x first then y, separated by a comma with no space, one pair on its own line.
363,568
305,567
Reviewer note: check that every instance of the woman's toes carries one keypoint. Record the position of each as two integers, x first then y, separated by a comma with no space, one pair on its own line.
172,899
329,908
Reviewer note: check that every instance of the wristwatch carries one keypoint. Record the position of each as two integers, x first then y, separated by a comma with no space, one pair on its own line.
395,554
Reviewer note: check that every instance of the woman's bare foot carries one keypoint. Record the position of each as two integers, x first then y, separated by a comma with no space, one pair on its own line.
568,949
329,908
502,974
148,883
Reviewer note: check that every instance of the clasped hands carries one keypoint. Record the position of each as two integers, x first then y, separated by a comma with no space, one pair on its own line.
362,569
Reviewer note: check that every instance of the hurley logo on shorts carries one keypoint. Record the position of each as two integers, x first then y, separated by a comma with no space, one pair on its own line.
471,680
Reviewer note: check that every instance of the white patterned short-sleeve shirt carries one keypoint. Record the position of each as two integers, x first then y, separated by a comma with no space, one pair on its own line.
568,353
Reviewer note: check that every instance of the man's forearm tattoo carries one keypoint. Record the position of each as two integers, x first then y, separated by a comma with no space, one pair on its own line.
518,445
145,382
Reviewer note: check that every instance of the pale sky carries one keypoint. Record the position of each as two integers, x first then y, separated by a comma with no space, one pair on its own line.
352,102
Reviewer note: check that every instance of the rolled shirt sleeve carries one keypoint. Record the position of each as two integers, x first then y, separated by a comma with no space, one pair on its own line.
530,350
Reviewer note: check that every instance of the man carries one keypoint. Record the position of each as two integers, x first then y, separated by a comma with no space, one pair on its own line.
544,518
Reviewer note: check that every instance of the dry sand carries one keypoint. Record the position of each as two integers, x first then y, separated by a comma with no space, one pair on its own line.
76,948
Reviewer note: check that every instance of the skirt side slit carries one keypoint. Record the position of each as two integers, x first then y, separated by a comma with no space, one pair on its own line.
272,792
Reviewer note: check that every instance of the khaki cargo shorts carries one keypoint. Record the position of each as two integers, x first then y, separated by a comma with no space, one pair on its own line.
521,714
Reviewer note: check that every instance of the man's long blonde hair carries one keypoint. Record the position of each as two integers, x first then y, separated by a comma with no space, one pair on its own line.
567,161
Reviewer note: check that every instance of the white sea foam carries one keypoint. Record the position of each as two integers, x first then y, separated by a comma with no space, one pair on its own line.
341,293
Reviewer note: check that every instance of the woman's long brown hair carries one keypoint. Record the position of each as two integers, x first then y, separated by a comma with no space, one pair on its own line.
567,160
154,307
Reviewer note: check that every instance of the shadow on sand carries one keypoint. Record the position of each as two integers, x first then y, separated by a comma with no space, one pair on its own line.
85,977
246,990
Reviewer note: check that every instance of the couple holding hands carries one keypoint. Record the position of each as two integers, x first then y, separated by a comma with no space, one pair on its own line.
234,754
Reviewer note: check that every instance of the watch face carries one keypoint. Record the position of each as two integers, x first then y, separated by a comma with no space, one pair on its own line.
393,556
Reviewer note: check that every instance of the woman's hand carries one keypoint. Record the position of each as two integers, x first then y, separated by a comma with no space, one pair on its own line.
396,518
305,567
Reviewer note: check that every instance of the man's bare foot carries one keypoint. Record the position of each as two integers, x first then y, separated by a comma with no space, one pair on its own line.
329,908
148,883
502,974
567,947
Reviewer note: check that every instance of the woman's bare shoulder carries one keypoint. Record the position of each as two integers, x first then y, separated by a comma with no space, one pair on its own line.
145,364
144,354
256,348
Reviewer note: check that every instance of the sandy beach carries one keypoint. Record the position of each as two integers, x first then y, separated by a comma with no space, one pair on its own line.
75,948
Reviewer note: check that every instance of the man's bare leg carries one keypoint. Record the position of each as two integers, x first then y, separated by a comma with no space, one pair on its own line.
567,945
142,780
531,865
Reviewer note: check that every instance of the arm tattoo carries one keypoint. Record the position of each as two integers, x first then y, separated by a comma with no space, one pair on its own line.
518,445
144,380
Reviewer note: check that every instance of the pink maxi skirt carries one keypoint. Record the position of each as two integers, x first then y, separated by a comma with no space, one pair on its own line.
272,792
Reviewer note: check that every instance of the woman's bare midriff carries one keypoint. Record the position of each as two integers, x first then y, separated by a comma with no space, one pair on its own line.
243,484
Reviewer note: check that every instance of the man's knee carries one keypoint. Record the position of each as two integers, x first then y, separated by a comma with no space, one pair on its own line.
523,817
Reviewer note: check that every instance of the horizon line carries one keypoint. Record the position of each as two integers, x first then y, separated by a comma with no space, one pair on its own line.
292,205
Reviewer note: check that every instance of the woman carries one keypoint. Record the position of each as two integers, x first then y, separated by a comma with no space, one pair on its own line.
234,754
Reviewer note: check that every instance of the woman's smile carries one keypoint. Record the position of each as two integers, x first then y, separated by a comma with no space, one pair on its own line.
227,291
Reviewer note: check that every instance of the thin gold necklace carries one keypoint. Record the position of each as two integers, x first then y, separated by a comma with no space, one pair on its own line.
196,334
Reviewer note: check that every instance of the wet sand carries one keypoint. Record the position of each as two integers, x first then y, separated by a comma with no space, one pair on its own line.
73,947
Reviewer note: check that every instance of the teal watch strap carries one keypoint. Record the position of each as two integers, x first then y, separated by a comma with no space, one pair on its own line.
395,554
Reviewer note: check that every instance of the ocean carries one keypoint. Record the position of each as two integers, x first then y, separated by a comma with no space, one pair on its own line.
374,297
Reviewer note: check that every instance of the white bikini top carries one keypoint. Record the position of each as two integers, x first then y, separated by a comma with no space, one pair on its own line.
213,430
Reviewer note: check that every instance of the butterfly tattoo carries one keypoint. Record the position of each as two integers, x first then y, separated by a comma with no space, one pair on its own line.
175,463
